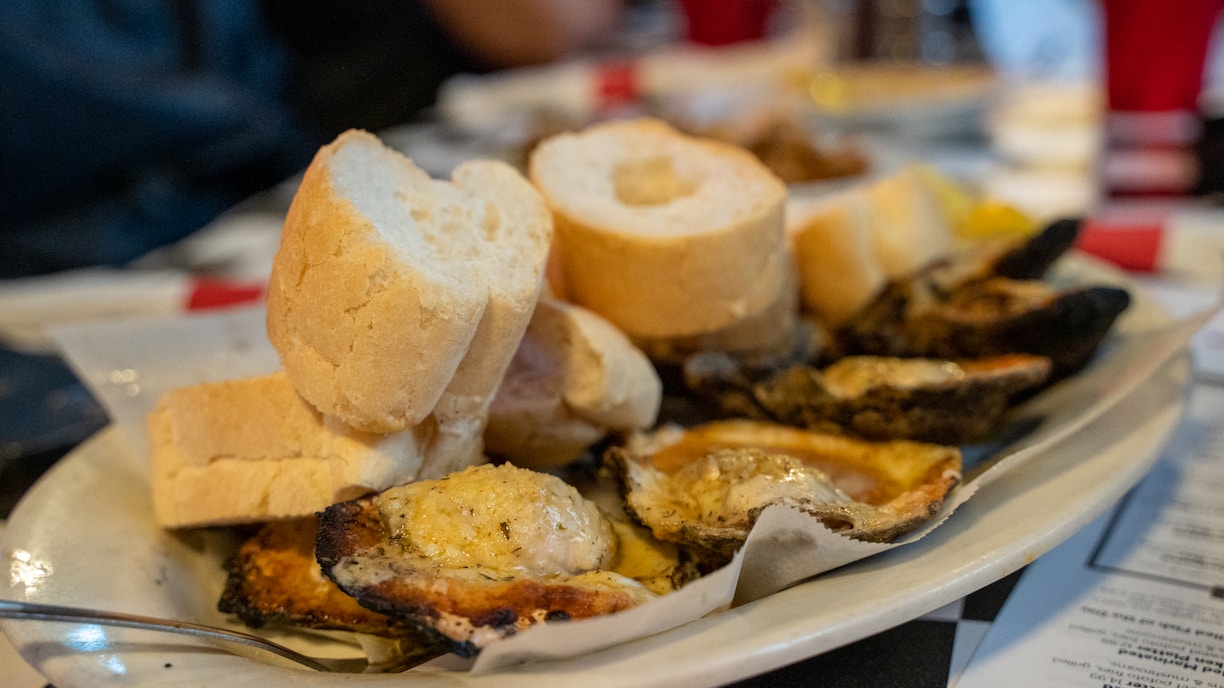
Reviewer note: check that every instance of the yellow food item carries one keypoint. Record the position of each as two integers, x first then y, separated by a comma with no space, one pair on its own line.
974,218
991,218
955,199
502,520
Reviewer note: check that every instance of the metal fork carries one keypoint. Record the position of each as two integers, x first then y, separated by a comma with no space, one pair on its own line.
235,642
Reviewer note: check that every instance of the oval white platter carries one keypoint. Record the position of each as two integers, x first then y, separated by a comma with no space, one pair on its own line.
84,535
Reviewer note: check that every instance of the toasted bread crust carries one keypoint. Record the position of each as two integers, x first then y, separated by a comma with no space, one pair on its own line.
251,449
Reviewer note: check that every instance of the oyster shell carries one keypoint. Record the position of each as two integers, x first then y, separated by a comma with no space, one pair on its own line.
273,578
989,301
986,302
477,556
1031,259
1017,259
877,397
705,487
988,318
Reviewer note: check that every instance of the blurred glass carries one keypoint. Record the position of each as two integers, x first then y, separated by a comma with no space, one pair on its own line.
1155,54
723,22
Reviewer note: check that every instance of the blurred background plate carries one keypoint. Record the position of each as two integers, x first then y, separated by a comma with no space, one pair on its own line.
917,99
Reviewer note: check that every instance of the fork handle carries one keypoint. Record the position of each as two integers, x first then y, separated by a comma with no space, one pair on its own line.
34,611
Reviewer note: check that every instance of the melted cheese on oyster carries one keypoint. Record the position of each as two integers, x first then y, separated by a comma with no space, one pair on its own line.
704,487
499,519
725,486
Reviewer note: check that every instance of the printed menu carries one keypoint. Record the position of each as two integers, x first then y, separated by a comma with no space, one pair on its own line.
1136,599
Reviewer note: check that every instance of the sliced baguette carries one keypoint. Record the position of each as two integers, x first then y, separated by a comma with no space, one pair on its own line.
574,378
909,226
664,234
848,244
835,254
391,289
767,336
252,450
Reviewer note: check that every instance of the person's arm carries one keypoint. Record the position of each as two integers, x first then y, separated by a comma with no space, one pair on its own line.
511,33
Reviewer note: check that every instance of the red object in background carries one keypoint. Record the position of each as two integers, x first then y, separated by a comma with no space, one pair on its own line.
1155,51
1131,245
616,84
1155,55
206,294
722,22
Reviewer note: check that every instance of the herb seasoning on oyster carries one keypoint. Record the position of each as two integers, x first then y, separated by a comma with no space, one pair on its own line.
478,555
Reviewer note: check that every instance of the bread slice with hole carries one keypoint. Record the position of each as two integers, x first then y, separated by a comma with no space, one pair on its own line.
574,379
393,294
251,450
663,234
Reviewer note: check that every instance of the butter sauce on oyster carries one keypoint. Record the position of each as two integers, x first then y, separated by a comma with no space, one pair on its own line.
704,487
477,556
499,521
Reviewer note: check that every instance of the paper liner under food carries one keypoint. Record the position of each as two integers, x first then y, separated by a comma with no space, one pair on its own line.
129,365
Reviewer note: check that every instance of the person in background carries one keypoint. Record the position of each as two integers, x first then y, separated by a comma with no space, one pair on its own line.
126,125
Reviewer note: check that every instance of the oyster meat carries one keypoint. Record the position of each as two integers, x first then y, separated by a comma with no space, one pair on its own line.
877,397
705,487
478,555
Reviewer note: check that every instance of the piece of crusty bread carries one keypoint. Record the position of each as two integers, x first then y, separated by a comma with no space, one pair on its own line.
664,234
909,227
834,253
760,339
848,244
393,295
252,449
574,379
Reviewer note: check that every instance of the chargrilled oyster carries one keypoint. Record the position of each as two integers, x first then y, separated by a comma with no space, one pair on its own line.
705,487
988,318
876,397
477,556
1013,258
273,578
986,302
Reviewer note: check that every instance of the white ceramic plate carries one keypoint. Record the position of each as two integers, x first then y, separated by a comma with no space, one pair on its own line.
84,536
